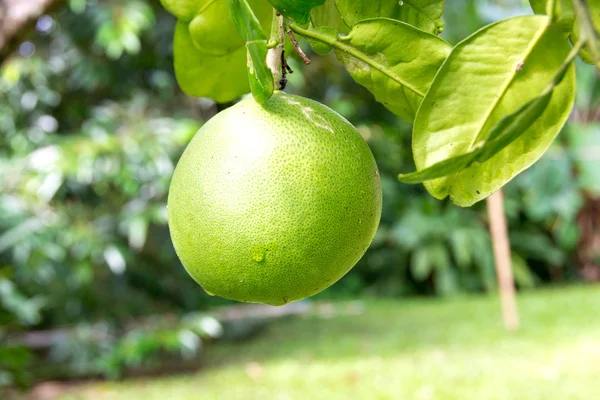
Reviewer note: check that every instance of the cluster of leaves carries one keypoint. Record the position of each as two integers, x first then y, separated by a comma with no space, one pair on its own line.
426,246
209,55
469,139
109,351
87,147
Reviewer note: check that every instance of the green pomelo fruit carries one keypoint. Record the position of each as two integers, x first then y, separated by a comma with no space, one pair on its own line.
274,203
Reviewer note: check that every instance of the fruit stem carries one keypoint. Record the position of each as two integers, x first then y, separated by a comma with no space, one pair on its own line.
275,54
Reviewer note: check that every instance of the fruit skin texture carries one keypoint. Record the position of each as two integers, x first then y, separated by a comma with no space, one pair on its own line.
274,203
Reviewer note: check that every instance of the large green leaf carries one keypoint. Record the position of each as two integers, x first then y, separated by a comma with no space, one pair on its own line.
222,78
250,30
489,75
185,10
328,15
423,14
394,60
214,32
505,132
298,10
210,57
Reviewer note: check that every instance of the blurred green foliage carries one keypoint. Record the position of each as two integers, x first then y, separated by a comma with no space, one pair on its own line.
92,124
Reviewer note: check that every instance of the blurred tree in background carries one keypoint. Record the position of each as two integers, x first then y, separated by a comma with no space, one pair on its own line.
92,123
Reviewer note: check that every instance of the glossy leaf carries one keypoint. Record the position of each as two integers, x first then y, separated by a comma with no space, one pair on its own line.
318,46
245,21
298,10
259,74
394,60
509,129
487,77
214,32
222,78
328,15
423,14
250,30
185,10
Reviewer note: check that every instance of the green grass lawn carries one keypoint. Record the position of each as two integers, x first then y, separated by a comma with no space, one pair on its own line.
402,349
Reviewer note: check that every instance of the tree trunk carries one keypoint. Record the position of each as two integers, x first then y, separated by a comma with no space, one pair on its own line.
17,18
501,245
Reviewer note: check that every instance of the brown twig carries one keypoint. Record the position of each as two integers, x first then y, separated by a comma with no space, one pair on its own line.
298,48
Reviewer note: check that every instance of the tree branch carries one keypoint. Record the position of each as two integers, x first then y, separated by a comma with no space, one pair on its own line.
17,18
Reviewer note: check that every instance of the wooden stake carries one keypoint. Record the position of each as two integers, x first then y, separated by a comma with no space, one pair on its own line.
501,245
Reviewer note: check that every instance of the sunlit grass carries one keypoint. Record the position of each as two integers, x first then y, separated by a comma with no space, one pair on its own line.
403,349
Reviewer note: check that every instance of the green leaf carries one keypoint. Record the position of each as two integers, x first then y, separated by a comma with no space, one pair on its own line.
445,282
566,13
506,131
328,15
483,259
298,10
245,21
460,242
221,78
259,74
394,60
250,30
523,276
213,30
318,46
426,259
185,10
486,78
12,236
420,265
537,246
423,14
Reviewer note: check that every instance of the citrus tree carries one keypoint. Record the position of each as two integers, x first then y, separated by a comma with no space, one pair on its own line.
482,112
